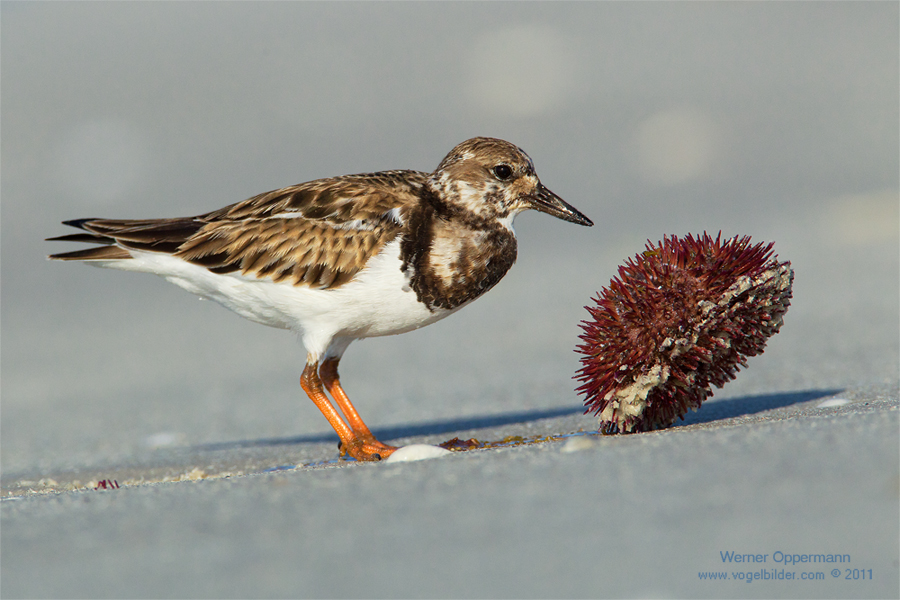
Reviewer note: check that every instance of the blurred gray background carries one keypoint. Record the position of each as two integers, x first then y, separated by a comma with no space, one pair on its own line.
775,120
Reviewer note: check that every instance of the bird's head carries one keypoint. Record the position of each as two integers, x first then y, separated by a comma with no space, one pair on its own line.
493,179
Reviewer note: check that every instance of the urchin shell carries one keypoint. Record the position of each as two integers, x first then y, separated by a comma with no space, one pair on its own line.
680,317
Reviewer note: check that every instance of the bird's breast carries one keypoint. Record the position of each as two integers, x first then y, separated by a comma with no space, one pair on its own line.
454,264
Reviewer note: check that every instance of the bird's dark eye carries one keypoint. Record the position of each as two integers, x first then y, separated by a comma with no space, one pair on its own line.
503,171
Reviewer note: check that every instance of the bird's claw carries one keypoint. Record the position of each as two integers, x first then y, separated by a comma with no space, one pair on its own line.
366,448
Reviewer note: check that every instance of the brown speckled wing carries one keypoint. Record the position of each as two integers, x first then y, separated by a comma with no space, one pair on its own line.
339,199
298,250
320,233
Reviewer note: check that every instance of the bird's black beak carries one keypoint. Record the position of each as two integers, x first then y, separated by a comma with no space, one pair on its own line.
547,202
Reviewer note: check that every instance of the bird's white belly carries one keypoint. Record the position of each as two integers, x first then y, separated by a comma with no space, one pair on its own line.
378,301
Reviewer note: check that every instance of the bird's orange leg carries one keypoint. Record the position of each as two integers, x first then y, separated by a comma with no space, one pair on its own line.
363,439
312,385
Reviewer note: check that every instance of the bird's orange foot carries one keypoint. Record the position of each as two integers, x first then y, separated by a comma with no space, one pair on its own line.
366,448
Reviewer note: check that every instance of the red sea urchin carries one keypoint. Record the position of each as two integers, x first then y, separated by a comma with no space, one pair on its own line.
680,317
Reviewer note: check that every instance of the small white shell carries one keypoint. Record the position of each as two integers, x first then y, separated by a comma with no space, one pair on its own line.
576,444
832,402
416,452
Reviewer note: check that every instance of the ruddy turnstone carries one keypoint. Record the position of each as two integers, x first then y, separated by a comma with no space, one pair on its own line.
344,258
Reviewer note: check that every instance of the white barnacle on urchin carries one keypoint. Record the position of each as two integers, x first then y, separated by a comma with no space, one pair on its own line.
631,401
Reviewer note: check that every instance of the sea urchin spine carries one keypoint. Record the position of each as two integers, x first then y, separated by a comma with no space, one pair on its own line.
681,316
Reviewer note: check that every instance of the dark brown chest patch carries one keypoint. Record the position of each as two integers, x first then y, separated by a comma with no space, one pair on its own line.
454,260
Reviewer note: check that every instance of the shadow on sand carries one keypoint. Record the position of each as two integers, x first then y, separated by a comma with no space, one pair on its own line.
711,411
717,410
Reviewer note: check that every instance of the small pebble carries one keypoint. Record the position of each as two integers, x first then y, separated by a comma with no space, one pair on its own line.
832,402
415,452
163,439
576,444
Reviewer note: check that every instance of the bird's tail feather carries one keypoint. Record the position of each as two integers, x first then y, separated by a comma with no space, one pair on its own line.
117,236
